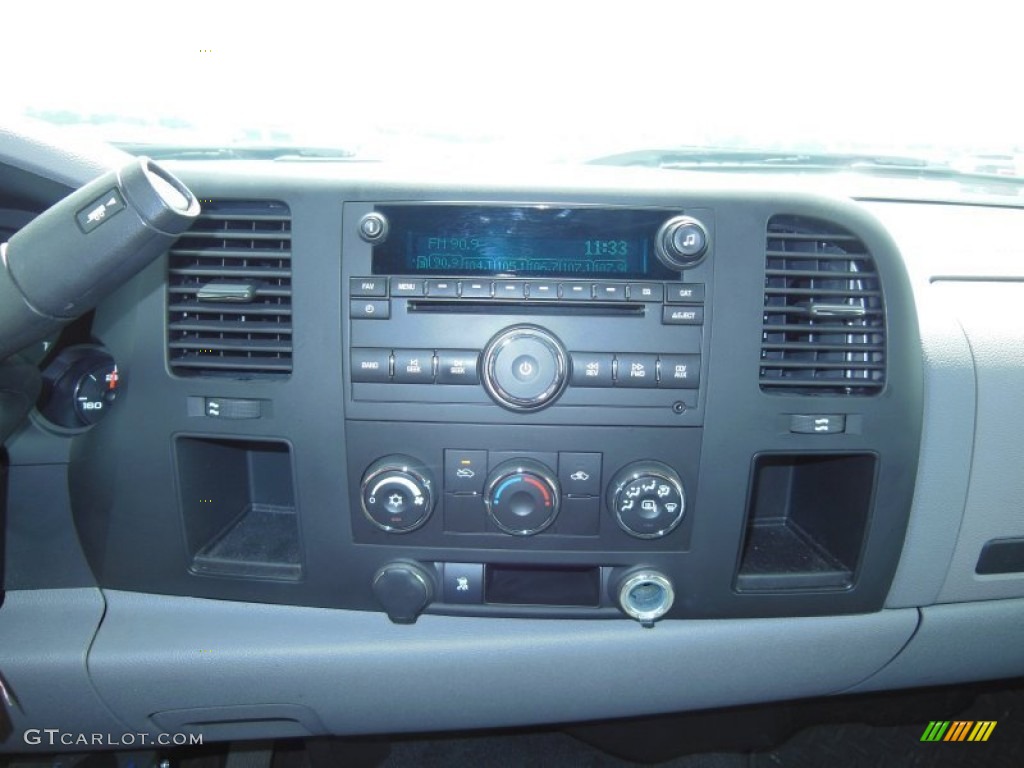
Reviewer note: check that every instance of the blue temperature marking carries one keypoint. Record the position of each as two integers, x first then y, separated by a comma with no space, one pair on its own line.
503,486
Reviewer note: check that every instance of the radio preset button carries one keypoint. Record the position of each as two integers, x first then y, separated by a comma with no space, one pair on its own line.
637,371
646,292
679,371
476,289
610,291
456,366
682,315
414,366
367,286
592,369
509,289
684,293
371,365
542,290
443,288
401,286
577,291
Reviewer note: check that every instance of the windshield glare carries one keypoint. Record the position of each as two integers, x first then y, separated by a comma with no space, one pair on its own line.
546,82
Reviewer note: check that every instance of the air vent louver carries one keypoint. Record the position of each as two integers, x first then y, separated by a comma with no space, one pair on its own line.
824,314
230,292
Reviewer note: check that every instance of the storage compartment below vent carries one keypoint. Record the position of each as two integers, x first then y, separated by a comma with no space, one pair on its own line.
806,521
238,505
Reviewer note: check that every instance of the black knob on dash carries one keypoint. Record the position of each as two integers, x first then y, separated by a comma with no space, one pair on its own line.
681,243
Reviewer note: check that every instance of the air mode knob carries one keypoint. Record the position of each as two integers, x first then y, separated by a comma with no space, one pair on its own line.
524,368
521,496
681,243
397,493
647,499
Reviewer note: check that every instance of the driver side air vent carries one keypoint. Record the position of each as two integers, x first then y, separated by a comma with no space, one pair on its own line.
230,292
824,314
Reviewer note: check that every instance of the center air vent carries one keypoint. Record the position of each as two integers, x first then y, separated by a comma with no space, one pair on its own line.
230,292
824,315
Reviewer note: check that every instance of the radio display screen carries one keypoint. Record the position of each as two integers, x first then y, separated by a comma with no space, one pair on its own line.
521,241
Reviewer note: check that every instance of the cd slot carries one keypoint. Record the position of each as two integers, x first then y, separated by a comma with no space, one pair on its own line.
498,307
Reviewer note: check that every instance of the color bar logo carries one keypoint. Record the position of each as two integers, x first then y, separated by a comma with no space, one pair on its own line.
958,730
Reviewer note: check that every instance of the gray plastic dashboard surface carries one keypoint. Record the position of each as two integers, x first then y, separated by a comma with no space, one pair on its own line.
45,636
361,674
970,486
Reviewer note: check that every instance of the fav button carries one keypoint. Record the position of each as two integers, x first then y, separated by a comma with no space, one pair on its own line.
367,286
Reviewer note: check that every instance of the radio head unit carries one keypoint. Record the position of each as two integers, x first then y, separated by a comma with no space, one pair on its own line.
564,314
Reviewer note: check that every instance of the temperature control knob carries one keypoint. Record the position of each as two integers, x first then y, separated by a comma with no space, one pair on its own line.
681,242
522,496
647,499
397,493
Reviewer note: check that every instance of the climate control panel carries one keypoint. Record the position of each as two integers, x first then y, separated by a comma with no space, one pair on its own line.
474,487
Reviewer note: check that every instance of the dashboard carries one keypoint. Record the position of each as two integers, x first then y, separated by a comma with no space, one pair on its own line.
569,446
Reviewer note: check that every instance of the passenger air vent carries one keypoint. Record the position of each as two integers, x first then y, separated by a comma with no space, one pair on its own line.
824,315
230,292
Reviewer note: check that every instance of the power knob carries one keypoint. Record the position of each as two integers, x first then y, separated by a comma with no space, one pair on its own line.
397,493
681,243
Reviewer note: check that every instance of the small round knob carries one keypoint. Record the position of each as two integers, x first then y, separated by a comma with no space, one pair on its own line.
521,496
645,595
373,228
524,368
403,589
647,499
397,493
681,243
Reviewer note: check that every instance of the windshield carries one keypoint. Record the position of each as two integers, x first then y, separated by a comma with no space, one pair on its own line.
544,82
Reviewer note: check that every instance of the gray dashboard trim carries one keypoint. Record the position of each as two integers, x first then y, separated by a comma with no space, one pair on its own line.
957,644
361,674
45,636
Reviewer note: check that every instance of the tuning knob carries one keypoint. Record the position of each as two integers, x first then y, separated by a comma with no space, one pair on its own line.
521,496
404,589
525,368
397,493
647,499
681,243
